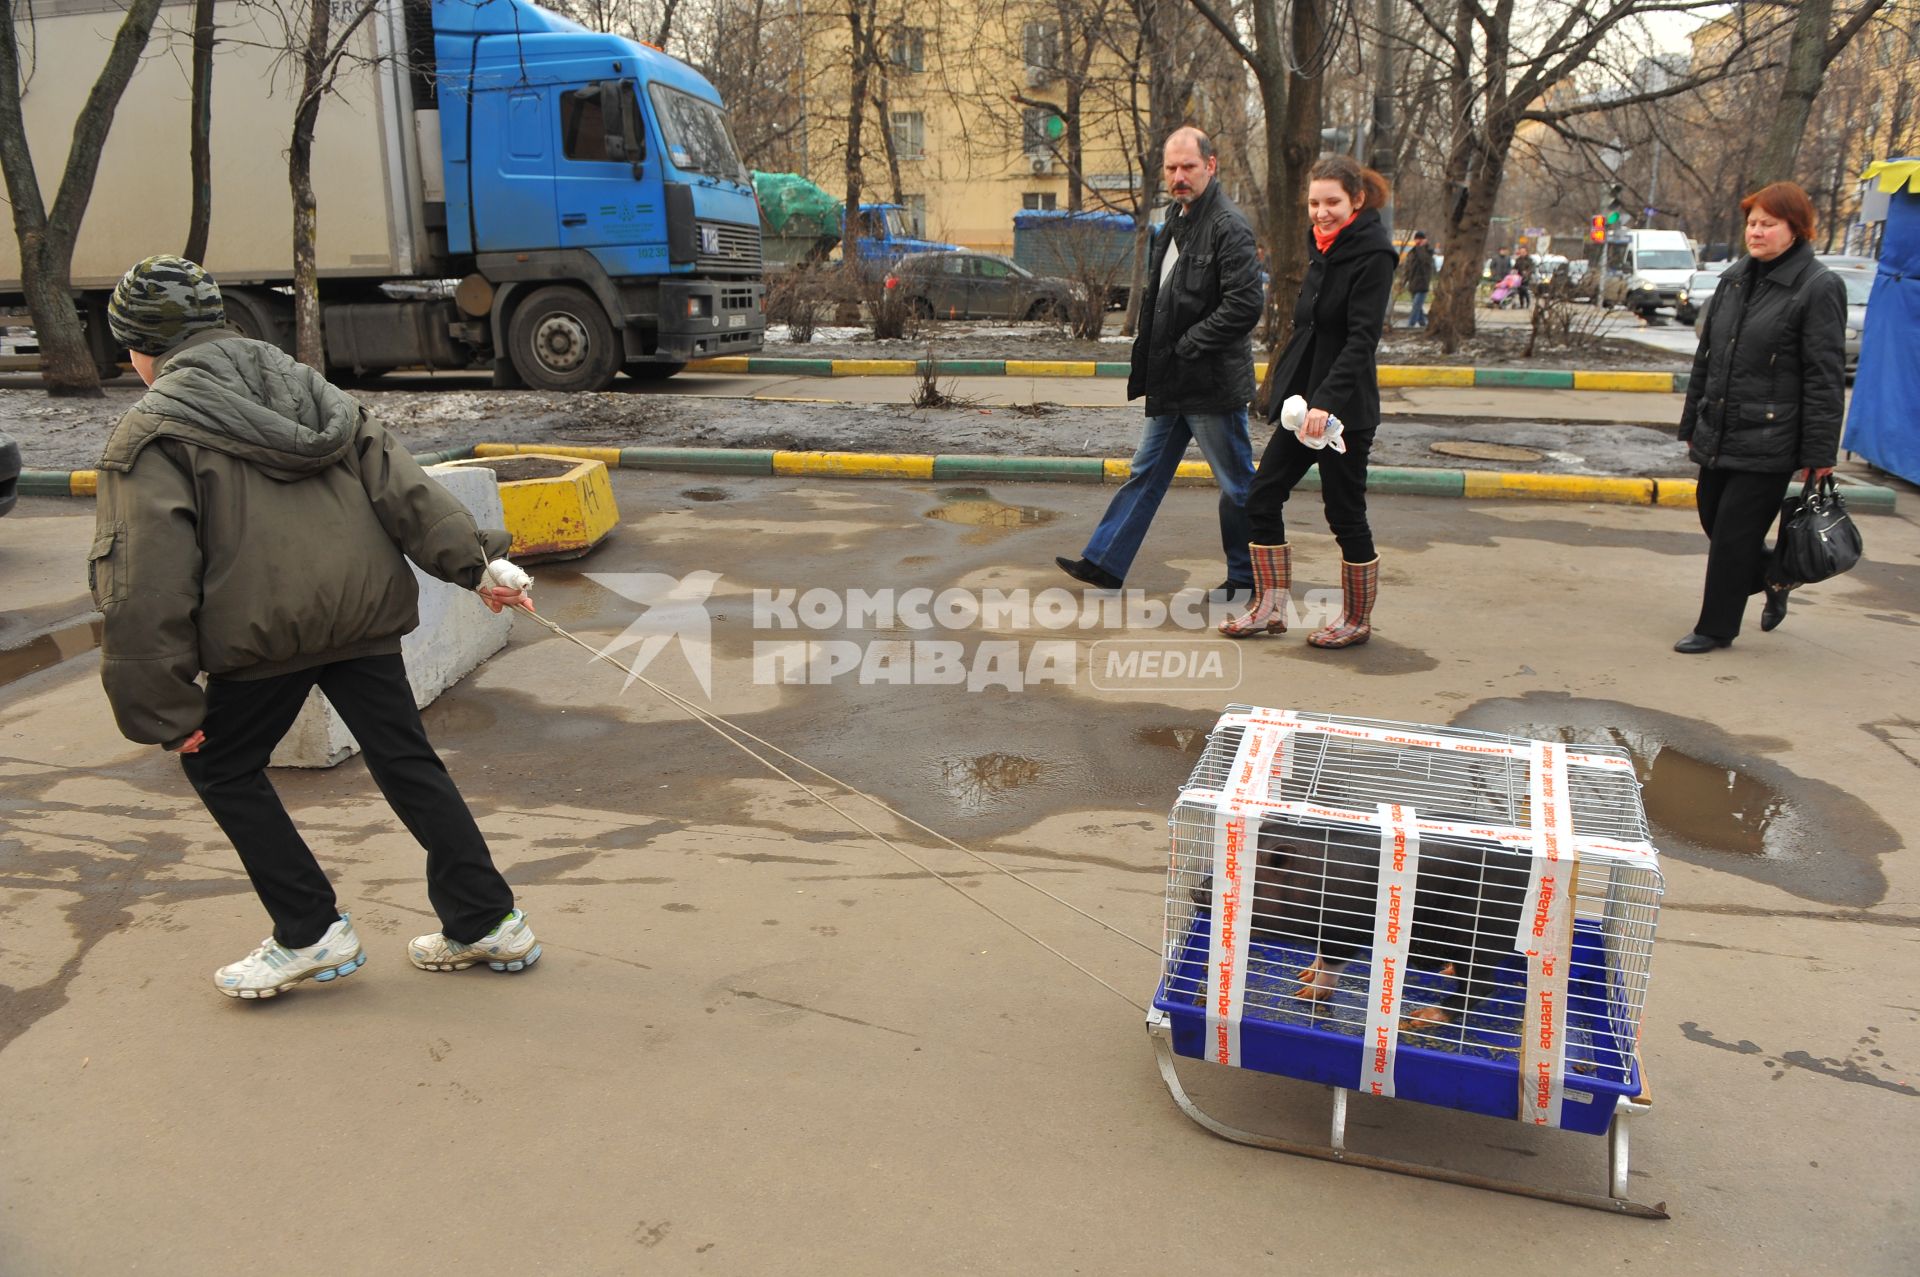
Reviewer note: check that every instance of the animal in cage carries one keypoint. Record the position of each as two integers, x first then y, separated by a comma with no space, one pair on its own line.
1424,913
1315,891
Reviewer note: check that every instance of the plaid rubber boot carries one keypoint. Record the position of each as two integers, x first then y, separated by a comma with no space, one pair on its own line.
1360,586
1272,580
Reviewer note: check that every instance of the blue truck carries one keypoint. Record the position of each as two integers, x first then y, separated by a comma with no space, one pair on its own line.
498,188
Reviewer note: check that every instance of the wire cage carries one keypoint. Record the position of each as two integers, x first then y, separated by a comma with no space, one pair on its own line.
1455,917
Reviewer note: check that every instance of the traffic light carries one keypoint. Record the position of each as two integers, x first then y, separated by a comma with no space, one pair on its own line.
1598,233
1616,212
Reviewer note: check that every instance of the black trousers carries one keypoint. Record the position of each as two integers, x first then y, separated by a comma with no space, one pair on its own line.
1343,489
245,720
1736,509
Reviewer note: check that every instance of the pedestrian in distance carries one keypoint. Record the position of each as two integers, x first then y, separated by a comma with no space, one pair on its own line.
1766,399
254,525
1332,362
1417,272
1193,362
1523,267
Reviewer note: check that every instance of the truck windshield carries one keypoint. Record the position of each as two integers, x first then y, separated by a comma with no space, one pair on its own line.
1665,259
897,227
696,134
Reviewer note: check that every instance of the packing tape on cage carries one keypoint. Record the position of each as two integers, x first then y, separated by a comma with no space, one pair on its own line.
1392,938
1545,936
1423,740
1236,842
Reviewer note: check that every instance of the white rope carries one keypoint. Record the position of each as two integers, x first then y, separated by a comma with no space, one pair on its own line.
714,722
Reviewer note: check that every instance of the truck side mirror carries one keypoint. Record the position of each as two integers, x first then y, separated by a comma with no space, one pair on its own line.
613,119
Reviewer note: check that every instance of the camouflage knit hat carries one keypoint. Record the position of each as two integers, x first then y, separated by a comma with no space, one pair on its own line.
162,302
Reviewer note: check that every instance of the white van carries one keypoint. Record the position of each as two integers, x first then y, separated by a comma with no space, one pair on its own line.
1647,270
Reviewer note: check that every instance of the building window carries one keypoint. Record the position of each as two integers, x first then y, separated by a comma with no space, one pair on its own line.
1042,41
910,134
1039,201
916,214
909,52
1035,135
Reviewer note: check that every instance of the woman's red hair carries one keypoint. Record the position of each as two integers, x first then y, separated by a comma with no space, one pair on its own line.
1785,201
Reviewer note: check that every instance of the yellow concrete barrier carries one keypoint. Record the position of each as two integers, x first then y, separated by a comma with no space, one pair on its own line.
1049,368
720,363
854,465
557,504
1402,375
1657,382
1676,492
874,368
1559,487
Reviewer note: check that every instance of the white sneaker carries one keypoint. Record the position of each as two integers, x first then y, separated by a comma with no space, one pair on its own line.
508,947
273,967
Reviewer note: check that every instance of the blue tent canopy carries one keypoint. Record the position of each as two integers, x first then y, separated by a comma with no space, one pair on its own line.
1883,425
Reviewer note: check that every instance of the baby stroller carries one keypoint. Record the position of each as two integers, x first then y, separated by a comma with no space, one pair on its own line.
1506,293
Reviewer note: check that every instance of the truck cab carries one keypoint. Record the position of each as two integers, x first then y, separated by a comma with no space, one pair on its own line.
885,235
1647,270
594,184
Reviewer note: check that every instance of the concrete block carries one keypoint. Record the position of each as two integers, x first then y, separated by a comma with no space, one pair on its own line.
456,633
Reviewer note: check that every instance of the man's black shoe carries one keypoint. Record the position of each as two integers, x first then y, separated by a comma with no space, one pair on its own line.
1090,572
1231,587
1695,643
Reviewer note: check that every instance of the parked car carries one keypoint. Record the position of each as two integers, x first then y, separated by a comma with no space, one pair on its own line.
964,284
9,473
1859,284
1581,279
1700,286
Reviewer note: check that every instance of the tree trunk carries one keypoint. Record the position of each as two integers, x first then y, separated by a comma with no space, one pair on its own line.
309,340
200,136
47,239
1451,314
1806,68
856,119
1299,147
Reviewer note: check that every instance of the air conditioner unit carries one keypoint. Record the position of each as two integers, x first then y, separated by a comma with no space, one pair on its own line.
1037,76
1041,164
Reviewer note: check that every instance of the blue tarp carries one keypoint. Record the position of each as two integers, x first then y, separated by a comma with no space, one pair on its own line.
1883,424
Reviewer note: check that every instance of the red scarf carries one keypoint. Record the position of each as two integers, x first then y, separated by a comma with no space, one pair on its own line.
1323,240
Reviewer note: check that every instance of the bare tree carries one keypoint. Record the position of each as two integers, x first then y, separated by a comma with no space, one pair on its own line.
1810,52
47,236
200,134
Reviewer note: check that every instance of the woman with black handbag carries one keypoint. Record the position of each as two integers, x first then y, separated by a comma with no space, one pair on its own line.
1766,399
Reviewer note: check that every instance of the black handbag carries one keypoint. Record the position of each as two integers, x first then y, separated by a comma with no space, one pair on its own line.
1817,537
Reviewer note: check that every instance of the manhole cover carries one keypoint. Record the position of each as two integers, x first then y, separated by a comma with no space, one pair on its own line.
1484,451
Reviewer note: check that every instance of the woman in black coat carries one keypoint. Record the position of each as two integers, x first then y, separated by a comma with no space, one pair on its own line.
1766,399
1331,363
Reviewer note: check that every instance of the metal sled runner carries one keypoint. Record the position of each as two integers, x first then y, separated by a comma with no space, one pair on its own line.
1451,917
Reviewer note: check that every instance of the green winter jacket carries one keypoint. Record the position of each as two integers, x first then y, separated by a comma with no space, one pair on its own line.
253,521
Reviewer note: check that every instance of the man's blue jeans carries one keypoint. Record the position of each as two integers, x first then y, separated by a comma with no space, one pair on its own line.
1223,441
1418,319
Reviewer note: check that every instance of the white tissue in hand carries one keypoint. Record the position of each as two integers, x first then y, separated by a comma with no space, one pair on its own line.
508,576
1293,415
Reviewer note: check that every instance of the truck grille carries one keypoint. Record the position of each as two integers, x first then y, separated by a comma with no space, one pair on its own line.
727,247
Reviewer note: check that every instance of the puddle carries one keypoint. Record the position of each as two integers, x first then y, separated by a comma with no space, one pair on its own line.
975,508
1185,740
49,649
1712,802
978,782
706,494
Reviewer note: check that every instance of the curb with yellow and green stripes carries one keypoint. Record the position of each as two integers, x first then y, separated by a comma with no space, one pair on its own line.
765,462
1390,375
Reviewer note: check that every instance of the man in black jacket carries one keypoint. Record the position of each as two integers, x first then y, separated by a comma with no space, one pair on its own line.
1418,268
1193,360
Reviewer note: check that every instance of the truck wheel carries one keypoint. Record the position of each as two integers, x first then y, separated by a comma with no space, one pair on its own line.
560,339
653,372
922,308
263,318
1044,312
